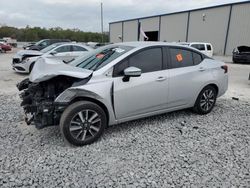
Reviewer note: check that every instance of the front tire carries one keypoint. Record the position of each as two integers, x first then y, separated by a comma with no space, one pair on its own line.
206,100
82,123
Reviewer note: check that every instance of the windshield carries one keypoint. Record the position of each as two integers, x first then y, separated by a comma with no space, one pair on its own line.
39,42
100,57
50,47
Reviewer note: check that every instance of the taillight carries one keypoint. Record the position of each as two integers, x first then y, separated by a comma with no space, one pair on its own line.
225,68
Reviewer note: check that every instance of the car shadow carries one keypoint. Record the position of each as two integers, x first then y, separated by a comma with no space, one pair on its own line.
52,135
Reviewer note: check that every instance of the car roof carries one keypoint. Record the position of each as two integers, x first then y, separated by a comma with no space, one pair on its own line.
139,44
199,43
59,44
143,44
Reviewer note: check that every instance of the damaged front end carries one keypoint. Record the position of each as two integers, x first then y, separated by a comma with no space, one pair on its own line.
38,100
38,93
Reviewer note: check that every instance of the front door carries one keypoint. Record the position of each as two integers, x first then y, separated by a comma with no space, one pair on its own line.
144,94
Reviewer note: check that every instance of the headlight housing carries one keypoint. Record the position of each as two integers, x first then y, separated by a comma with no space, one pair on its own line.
25,59
66,96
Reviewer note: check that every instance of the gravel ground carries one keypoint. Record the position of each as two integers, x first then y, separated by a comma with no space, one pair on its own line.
171,150
178,149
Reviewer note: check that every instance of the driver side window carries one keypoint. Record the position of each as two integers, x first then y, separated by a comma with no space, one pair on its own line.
148,60
120,67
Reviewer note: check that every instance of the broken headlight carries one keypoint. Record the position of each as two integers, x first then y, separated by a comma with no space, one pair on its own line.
65,96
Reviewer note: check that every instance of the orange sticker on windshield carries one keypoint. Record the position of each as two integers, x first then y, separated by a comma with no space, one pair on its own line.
100,56
179,57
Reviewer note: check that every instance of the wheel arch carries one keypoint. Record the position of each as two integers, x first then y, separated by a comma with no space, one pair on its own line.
99,103
31,66
201,88
198,109
208,84
213,85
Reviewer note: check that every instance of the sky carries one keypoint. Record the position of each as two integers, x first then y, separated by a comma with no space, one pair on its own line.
85,14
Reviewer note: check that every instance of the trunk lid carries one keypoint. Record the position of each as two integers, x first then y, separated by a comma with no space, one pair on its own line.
244,49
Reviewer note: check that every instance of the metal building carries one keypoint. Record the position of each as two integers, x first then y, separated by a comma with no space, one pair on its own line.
225,26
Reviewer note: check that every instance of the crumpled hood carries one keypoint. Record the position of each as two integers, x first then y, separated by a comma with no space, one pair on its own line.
45,69
29,52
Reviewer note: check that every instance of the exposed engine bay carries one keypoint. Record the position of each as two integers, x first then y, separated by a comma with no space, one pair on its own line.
243,49
38,99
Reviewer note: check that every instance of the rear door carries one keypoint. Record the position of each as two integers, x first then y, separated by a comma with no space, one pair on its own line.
186,76
144,94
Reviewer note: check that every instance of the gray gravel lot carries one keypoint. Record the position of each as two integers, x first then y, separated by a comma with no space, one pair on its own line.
178,149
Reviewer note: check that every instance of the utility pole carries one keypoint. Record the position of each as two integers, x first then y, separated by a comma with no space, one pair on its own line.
102,21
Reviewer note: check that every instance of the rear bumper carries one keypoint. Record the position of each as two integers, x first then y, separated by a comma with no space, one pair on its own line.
223,85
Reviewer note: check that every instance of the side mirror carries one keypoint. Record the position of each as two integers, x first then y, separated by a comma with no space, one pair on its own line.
131,72
53,53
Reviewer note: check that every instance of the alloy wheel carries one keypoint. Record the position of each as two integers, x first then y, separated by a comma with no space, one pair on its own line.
85,125
207,100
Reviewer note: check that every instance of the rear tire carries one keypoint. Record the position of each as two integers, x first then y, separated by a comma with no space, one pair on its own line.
82,123
206,100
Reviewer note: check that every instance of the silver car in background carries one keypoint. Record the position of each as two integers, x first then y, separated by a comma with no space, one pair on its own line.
119,83
24,60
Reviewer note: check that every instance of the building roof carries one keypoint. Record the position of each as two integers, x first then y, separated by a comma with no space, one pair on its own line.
184,11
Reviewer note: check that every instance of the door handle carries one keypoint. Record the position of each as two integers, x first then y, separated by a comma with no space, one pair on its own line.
201,69
161,78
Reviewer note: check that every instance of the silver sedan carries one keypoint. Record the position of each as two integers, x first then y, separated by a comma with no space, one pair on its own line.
119,83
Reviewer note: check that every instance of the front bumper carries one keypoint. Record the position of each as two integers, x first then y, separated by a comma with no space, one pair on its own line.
38,104
44,114
18,66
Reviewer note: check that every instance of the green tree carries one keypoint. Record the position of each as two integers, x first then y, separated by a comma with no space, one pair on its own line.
37,33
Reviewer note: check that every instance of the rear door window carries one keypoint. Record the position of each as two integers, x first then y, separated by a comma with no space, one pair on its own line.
181,58
197,58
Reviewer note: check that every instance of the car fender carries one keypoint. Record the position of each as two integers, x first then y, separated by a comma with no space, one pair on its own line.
101,91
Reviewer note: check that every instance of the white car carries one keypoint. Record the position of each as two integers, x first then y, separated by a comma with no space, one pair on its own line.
24,60
205,48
